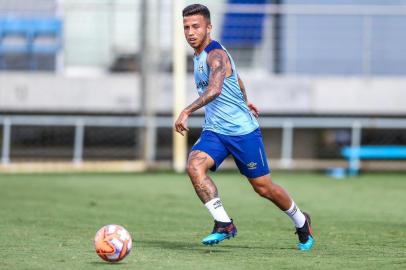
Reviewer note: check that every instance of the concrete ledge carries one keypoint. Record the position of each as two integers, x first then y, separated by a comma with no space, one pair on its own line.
141,166
63,167
44,92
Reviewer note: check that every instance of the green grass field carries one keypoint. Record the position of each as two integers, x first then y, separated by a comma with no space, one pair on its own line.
48,221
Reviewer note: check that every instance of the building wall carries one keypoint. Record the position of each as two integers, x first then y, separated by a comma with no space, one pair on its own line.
345,43
282,95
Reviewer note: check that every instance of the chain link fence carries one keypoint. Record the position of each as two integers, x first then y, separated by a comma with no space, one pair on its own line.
316,144
104,38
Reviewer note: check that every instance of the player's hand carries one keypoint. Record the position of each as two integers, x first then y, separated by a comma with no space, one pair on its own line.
181,123
254,109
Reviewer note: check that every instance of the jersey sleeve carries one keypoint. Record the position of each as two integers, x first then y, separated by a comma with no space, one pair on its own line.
212,46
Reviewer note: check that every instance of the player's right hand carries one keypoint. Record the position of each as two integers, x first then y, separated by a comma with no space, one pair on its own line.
253,108
181,123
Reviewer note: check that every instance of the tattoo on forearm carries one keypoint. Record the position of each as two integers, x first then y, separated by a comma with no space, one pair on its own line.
217,60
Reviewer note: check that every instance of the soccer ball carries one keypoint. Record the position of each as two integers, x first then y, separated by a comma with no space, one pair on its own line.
112,243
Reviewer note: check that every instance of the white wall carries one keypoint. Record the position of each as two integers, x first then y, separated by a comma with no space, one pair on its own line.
120,94
94,30
45,92
354,95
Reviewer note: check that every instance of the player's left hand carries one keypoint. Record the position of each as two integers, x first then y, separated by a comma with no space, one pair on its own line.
254,109
181,123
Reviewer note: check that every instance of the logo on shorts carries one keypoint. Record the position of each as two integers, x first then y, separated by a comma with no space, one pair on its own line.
252,165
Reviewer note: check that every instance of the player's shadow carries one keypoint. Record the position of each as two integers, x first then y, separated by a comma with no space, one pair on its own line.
177,245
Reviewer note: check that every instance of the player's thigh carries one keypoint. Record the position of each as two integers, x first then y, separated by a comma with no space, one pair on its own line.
212,149
249,154
199,162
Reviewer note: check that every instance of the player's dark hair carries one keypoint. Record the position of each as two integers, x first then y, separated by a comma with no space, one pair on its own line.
197,9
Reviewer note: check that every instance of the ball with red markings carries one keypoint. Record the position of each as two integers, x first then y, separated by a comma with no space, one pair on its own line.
112,243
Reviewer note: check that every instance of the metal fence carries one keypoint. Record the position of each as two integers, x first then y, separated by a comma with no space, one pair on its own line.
86,138
105,37
323,39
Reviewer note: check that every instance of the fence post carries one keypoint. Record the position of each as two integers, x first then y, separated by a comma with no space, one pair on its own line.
355,144
79,141
287,145
179,86
150,64
5,155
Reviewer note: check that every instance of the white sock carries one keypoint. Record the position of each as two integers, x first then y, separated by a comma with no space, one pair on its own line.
216,209
296,215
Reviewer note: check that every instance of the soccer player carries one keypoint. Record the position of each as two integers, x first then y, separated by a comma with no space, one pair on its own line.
230,128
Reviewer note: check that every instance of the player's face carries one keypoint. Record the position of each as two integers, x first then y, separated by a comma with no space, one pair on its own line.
196,29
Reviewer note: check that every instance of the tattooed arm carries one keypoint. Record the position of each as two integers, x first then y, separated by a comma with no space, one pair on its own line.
251,106
217,61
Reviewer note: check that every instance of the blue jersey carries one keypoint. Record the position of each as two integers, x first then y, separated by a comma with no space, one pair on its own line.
228,114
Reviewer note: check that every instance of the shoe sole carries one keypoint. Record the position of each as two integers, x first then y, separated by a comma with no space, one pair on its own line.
307,246
217,241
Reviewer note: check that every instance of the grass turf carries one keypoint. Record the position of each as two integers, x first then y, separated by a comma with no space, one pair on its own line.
49,221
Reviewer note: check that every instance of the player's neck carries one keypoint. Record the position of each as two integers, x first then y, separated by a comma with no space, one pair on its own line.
203,46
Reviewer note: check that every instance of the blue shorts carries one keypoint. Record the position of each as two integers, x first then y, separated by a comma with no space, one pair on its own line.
247,150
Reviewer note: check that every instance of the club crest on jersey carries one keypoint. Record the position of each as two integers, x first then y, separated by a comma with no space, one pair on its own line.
252,165
200,68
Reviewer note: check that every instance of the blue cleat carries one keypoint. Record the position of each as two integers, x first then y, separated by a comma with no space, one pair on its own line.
306,246
305,235
221,231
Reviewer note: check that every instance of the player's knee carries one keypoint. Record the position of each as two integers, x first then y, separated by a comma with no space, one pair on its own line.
194,170
262,191
266,190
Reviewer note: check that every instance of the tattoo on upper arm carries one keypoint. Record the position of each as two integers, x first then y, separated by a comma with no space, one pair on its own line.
217,61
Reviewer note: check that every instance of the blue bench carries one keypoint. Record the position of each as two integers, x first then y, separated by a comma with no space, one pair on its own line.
30,30
355,154
242,29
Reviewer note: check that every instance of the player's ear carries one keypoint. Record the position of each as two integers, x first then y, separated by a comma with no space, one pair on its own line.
209,27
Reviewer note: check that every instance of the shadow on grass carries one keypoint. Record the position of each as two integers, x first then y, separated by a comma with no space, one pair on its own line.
221,248
177,245
106,263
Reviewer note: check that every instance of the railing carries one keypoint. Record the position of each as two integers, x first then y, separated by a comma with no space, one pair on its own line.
287,124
